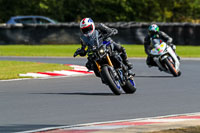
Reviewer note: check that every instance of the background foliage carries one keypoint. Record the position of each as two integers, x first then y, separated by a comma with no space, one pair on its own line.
105,10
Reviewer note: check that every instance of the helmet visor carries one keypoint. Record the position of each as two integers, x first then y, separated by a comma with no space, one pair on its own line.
152,33
86,30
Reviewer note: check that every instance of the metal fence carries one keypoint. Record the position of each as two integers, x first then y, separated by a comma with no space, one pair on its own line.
69,33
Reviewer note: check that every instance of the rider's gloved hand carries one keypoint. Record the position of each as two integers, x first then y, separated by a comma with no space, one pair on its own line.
77,52
114,31
174,47
169,43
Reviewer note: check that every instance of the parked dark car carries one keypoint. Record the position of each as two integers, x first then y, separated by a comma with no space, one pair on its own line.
30,20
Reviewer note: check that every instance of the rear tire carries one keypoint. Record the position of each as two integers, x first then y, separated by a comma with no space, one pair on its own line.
171,68
107,75
129,87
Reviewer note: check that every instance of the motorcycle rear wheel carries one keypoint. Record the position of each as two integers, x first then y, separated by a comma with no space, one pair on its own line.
129,87
108,77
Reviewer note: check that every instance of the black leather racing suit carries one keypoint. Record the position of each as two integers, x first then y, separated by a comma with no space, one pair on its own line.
147,45
106,31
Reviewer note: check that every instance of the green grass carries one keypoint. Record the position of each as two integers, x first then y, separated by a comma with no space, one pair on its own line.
68,50
12,69
188,51
195,129
135,50
183,51
38,50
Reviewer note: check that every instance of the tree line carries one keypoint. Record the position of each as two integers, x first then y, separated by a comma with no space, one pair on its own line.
104,10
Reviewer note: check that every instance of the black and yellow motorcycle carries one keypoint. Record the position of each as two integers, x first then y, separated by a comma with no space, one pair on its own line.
110,67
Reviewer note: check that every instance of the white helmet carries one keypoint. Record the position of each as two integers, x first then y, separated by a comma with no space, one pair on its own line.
87,26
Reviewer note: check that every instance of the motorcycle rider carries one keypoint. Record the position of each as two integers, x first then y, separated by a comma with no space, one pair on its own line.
88,29
153,32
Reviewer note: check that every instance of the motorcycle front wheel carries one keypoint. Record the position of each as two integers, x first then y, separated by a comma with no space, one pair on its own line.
108,76
172,68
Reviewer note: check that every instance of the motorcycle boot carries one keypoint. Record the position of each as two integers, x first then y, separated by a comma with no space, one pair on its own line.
150,62
127,63
89,66
125,60
131,73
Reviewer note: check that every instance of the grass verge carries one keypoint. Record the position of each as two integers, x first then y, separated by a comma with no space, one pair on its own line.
195,129
68,50
182,51
38,50
12,69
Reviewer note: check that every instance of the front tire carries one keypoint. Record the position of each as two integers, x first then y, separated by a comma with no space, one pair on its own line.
171,68
108,77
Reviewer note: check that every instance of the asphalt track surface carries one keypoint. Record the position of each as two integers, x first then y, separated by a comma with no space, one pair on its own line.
39,103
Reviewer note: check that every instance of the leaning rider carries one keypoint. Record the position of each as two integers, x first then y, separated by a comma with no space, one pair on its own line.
87,28
153,32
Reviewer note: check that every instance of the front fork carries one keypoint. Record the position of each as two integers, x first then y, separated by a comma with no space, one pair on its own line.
109,63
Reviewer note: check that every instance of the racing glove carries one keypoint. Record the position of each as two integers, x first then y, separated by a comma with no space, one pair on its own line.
80,52
77,52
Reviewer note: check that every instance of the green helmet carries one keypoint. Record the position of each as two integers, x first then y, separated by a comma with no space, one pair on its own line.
153,29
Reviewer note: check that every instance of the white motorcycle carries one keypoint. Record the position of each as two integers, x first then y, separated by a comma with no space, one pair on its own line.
165,57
